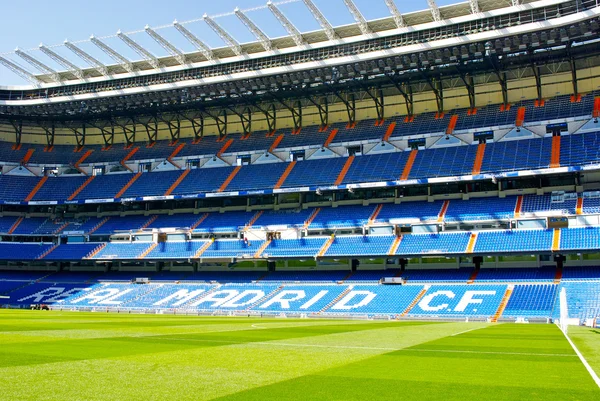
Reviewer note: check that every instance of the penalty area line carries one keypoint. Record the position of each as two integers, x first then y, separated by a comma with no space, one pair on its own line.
582,359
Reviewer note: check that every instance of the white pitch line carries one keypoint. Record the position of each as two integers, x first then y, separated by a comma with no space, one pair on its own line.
582,359
296,345
466,331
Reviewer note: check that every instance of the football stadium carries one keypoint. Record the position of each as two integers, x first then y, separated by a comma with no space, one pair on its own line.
401,207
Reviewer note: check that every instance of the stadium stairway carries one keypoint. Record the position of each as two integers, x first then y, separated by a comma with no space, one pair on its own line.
331,137
518,206
225,147
394,246
478,159
452,124
173,186
129,184
97,226
128,156
520,117
36,188
415,301
253,220
15,225
344,171
311,217
503,303
203,249
409,164
147,251
389,131
47,252
174,154
262,248
555,157
95,251
285,175
199,221
556,240
443,211
266,297
375,213
472,242
81,187
151,220
337,299
473,276
81,160
326,246
230,178
579,207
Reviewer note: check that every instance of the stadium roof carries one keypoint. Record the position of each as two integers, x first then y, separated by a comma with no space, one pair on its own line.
69,55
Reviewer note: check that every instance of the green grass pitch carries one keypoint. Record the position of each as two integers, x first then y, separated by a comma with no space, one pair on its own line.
94,356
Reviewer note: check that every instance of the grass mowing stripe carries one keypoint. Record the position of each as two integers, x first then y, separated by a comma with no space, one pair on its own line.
583,360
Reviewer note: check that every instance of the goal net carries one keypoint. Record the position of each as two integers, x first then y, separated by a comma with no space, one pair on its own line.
564,311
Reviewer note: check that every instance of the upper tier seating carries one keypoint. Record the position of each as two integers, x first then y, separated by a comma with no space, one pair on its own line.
303,247
360,245
513,241
426,123
458,160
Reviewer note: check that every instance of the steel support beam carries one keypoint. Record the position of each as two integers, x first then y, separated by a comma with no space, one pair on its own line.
43,68
270,113
193,39
318,15
226,37
20,71
80,134
398,19
122,60
221,119
62,61
101,68
174,127
467,79
474,6
18,127
165,44
128,133
151,58
438,90
322,105
50,132
256,31
151,127
377,97
435,11
350,102
287,24
198,127
296,109
358,17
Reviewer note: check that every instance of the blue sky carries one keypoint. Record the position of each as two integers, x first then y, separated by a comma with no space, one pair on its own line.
25,24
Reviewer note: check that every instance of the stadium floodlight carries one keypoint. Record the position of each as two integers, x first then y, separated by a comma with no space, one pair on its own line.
168,46
358,17
101,68
287,24
331,35
256,31
227,38
193,39
38,64
435,11
122,60
398,19
151,58
474,6
62,61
